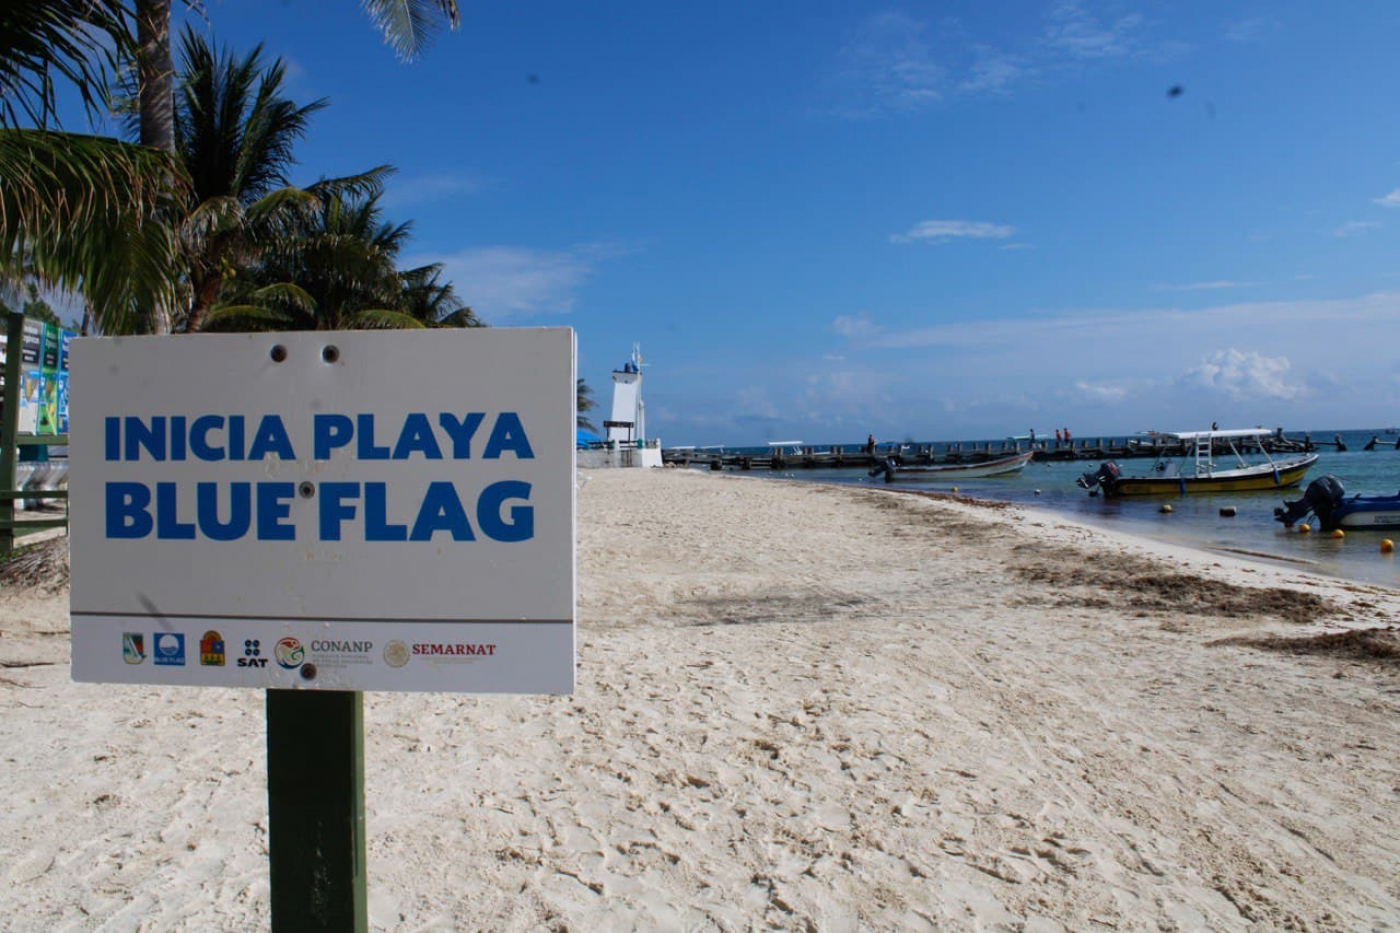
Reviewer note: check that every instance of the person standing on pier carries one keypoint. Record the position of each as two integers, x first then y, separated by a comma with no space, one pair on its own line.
1066,435
1058,438
870,444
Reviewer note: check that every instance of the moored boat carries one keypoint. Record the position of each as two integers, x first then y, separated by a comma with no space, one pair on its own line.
1001,466
1198,471
1326,499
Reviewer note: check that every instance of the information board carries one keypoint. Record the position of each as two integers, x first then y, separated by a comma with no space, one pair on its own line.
370,510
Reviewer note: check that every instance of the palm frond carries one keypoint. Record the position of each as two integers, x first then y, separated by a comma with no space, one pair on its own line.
410,25
462,317
383,318
248,318
368,184
85,214
289,294
75,40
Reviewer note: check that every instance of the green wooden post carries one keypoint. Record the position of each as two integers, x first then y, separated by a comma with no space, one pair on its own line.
9,425
316,809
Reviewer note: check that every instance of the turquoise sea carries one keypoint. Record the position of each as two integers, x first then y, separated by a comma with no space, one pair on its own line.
1196,518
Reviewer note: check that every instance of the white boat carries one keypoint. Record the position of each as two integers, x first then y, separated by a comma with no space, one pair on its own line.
1198,471
1002,466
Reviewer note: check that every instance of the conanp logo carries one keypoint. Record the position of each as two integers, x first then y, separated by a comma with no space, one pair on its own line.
289,653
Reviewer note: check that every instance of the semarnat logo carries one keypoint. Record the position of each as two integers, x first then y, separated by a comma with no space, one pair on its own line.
459,650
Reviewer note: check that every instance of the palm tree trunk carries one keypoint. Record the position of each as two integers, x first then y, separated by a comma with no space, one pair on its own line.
204,294
156,98
155,74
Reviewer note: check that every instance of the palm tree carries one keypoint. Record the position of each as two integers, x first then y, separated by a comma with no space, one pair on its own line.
77,211
585,404
408,26
434,302
234,134
334,268
84,213
76,40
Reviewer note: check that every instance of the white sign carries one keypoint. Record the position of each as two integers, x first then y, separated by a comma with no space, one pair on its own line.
370,510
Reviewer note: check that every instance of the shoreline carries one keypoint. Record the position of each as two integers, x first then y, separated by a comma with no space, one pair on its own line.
1136,527
796,705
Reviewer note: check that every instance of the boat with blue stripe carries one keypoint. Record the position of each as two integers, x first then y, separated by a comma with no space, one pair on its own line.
1326,499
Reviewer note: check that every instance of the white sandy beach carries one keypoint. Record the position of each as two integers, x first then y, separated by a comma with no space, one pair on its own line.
798,707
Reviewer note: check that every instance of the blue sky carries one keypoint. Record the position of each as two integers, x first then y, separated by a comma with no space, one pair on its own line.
927,220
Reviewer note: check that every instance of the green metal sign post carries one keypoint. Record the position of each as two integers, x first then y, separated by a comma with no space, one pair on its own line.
316,809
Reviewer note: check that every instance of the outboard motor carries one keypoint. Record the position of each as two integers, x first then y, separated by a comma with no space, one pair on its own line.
1106,475
887,467
1321,498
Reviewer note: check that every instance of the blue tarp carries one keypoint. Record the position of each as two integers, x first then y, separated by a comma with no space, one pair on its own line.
585,438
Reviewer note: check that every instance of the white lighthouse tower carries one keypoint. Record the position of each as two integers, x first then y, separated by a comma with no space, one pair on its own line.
628,444
629,416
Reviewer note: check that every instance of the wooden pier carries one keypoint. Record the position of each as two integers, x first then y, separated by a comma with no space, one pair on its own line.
841,456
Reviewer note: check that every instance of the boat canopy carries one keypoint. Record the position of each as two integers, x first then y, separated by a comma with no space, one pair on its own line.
1197,435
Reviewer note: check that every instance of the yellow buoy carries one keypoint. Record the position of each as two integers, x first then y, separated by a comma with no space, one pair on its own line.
1304,528
1387,546
1166,509
955,489
1338,533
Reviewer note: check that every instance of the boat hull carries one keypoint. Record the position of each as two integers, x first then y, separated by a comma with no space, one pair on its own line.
1232,481
1368,514
1006,466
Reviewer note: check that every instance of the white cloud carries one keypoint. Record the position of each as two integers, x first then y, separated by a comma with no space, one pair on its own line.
1251,30
894,63
442,186
1078,34
1017,246
515,281
994,72
1101,393
1245,376
856,327
1110,370
1356,228
1390,200
756,403
1203,286
940,231
888,66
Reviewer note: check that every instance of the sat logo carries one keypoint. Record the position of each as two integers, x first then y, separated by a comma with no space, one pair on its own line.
252,654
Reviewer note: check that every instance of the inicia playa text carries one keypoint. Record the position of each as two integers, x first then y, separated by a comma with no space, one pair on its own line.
231,511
